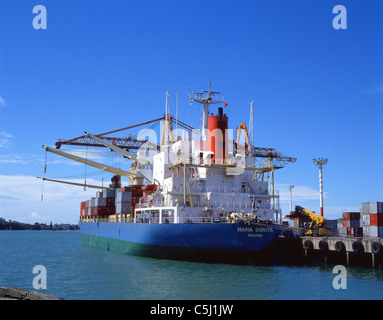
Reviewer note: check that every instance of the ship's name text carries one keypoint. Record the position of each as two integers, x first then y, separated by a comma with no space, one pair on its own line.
251,229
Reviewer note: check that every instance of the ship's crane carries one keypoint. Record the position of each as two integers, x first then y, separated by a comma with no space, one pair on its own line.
241,127
137,178
139,170
128,143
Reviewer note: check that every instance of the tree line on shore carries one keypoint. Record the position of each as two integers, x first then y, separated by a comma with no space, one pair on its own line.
16,225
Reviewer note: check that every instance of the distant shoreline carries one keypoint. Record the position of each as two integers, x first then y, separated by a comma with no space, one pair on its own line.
16,225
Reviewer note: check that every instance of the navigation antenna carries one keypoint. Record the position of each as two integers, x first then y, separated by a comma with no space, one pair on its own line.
205,98
251,124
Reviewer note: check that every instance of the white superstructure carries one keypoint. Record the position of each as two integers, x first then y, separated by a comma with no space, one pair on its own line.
191,185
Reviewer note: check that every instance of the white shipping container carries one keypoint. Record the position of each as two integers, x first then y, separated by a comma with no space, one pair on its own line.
366,231
92,202
343,231
374,231
376,207
366,207
366,219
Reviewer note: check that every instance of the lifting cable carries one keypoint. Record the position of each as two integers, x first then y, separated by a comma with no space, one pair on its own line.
86,165
45,170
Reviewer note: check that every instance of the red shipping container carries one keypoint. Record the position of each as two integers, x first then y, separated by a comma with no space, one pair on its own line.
350,232
358,232
346,216
351,215
99,211
110,210
136,191
376,219
373,219
110,202
346,223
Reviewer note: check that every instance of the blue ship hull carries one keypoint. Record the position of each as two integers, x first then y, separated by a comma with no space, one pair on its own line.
216,242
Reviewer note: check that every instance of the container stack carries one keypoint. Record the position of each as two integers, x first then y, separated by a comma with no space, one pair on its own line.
136,192
342,231
109,196
83,211
332,225
372,219
351,221
100,205
123,202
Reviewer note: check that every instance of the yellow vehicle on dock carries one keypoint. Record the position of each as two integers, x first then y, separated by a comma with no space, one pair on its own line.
316,225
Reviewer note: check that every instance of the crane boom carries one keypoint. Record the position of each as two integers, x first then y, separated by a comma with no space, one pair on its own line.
112,147
95,164
74,183
243,126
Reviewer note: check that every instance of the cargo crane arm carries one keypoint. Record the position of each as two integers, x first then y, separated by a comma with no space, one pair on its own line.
95,164
112,147
243,126
125,153
74,183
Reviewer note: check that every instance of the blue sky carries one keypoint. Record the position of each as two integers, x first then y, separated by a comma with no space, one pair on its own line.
104,65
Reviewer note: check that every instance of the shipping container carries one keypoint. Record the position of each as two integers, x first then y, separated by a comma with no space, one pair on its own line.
123,208
100,202
92,202
110,202
343,231
135,190
110,210
351,215
109,193
374,231
99,211
350,232
380,231
124,196
358,232
346,223
376,219
366,207
355,223
366,219
376,207
366,231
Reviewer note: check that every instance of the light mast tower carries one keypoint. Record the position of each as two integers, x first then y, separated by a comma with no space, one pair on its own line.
320,162
290,187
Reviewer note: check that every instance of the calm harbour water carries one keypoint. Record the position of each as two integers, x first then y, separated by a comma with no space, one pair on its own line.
75,272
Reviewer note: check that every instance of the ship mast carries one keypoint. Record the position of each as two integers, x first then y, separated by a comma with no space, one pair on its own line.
205,98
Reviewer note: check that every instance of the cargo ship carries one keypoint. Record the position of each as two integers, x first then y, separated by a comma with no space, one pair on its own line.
198,195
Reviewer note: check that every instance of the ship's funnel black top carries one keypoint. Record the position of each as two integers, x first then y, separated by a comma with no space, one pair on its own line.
220,111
